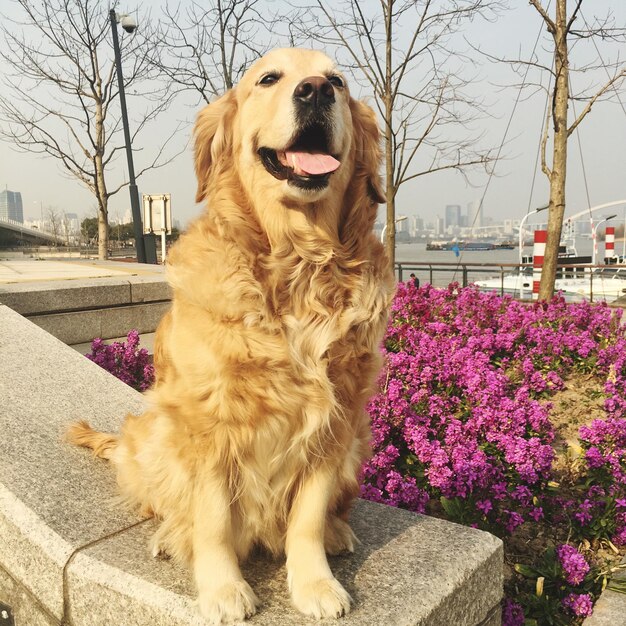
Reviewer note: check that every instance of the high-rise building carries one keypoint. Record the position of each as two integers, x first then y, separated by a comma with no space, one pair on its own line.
416,226
475,214
11,206
453,216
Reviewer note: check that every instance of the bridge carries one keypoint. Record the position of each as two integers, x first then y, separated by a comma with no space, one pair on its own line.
14,234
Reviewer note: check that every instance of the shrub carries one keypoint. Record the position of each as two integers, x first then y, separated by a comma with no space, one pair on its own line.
462,429
125,360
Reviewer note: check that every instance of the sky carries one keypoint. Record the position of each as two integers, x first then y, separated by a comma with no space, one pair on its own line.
602,136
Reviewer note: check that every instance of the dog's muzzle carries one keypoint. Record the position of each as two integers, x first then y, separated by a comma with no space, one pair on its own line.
306,162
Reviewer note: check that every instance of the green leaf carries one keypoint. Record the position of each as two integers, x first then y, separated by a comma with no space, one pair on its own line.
526,570
449,506
617,585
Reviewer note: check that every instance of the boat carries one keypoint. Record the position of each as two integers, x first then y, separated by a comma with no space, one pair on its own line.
465,246
606,283
573,273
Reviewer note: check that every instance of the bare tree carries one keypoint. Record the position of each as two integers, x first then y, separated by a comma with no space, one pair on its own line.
59,98
565,28
207,46
56,221
402,52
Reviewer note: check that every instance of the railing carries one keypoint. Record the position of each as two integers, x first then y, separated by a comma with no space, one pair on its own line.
463,273
441,274
20,227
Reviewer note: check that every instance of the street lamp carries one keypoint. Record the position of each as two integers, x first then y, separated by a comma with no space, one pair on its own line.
595,239
129,25
382,234
521,230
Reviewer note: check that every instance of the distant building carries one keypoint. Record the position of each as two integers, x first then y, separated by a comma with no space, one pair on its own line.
11,206
416,225
440,226
475,214
402,226
453,216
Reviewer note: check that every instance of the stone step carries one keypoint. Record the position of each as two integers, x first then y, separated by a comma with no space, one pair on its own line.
77,311
69,554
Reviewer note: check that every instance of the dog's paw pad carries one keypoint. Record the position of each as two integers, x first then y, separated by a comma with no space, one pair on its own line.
322,598
339,537
229,603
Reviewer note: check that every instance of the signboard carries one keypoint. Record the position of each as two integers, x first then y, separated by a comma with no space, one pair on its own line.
157,213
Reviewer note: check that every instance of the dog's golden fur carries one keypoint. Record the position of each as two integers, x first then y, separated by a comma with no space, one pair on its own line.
256,428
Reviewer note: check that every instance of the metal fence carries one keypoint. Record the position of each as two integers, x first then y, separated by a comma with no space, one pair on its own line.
589,276
441,274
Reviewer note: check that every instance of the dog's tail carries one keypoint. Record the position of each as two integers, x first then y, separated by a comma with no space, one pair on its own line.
102,444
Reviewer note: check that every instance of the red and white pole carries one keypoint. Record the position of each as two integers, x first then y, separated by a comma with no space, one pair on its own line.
609,242
539,251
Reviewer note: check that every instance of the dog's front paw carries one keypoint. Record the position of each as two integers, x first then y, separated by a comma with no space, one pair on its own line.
321,598
231,602
338,536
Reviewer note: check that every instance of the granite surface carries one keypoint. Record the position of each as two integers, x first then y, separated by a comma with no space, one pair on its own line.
43,297
25,608
409,570
54,498
610,609
83,326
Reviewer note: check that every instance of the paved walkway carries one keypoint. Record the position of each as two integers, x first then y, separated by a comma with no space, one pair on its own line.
24,269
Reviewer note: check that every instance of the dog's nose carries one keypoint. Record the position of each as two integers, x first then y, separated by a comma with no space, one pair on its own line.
314,90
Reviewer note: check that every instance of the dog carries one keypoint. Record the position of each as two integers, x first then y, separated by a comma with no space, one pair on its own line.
256,428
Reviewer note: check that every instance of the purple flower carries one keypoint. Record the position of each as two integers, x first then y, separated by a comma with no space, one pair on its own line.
484,506
584,513
512,613
124,360
580,604
573,563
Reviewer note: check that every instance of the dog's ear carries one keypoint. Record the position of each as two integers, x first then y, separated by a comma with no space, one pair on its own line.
367,143
213,137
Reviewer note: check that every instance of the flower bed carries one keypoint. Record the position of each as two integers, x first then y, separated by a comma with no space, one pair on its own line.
470,425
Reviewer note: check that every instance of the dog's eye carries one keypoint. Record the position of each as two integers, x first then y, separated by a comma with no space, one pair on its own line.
336,81
269,79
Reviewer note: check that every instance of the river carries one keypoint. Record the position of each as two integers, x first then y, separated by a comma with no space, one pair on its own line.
446,267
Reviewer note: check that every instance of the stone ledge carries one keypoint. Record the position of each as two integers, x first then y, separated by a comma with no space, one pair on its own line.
610,609
84,326
77,311
38,298
65,543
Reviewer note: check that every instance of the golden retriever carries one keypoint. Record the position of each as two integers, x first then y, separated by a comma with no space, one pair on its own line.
256,428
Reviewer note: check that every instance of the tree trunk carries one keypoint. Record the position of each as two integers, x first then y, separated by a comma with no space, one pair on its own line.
390,242
557,176
101,189
390,232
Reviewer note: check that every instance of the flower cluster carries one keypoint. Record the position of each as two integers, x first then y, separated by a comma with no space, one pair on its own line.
573,563
579,604
461,426
125,360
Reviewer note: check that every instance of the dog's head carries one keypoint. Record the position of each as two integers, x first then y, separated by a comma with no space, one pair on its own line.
292,130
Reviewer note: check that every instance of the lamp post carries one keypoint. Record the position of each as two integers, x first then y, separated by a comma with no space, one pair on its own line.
129,26
521,230
595,238
382,234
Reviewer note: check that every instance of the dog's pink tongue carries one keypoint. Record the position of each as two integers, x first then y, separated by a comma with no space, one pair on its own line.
309,163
